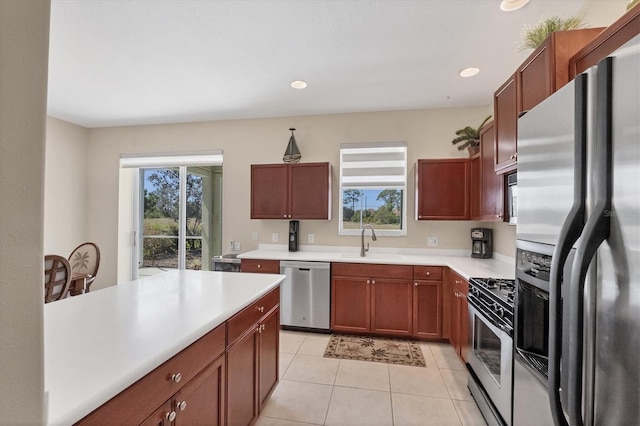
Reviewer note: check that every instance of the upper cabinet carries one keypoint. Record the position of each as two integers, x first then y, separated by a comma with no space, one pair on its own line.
488,202
291,191
605,43
505,111
443,189
545,71
547,68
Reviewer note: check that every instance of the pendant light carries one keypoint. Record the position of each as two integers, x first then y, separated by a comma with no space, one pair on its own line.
292,154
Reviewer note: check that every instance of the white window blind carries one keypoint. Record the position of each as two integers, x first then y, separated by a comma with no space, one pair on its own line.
379,165
174,159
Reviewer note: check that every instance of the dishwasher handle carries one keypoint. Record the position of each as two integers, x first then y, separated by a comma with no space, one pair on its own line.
303,266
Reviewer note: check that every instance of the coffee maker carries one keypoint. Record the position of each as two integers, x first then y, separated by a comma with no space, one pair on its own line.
482,243
294,227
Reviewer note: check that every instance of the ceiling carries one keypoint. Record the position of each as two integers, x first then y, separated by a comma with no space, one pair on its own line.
115,63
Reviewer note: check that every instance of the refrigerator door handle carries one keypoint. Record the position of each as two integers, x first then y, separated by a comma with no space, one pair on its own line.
569,234
596,231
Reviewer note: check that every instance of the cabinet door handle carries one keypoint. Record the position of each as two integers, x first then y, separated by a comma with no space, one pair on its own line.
171,416
182,405
416,284
368,281
175,378
373,281
284,215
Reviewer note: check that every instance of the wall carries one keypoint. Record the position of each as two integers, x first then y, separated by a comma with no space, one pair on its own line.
245,142
24,43
65,185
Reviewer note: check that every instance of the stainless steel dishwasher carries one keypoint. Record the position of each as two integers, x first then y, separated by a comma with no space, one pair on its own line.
305,296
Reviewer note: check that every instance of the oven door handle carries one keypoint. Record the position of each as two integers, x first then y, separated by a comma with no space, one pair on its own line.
569,234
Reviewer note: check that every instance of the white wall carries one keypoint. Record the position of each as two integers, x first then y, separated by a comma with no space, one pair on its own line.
24,43
245,142
65,196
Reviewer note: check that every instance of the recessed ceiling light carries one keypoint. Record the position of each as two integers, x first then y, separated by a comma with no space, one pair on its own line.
469,72
298,84
511,5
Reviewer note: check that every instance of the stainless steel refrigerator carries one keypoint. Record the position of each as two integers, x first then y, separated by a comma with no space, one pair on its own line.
577,333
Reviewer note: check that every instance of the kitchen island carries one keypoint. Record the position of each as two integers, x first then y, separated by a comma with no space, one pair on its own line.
100,343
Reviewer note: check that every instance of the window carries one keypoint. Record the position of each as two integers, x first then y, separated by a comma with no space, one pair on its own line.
373,183
178,209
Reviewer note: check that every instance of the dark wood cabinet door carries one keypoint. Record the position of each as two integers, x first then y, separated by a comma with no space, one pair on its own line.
201,401
535,79
492,185
455,319
161,416
350,304
269,191
241,380
505,108
464,326
268,355
476,186
427,309
310,191
443,188
391,306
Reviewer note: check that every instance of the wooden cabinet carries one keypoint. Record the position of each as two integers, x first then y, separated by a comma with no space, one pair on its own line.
291,191
547,68
443,189
487,187
264,266
505,111
545,71
427,302
252,358
606,42
458,289
368,298
188,385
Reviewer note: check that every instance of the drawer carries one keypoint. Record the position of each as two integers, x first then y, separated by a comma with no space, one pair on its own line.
430,273
458,282
372,270
133,405
265,266
249,316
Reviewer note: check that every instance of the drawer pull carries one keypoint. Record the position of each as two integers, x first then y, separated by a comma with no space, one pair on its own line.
182,405
260,308
427,273
176,378
171,416
259,266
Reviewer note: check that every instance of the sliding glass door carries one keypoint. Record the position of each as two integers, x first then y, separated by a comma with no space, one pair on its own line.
179,218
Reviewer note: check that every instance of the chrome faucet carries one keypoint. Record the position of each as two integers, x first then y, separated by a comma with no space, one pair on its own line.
363,250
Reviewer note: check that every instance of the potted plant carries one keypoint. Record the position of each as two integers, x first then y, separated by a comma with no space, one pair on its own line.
534,35
470,138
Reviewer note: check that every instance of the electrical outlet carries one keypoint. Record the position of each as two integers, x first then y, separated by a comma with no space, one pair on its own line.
310,238
231,245
255,236
236,246
274,237
432,241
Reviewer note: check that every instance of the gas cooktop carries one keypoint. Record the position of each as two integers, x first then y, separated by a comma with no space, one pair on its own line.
503,289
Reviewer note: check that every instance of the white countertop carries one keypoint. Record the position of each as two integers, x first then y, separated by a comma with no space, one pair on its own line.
458,260
98,344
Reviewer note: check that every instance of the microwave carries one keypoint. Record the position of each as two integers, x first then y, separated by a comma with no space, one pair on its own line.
512,198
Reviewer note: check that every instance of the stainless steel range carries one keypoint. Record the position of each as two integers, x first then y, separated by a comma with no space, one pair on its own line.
490,359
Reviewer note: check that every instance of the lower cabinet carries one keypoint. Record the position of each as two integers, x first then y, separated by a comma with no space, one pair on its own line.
252,369
427,302
393,300
459,311
201,401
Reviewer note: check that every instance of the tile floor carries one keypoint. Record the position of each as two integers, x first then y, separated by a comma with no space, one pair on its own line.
314,390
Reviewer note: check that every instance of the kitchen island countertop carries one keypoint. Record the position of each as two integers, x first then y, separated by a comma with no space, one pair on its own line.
458,260
98,344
